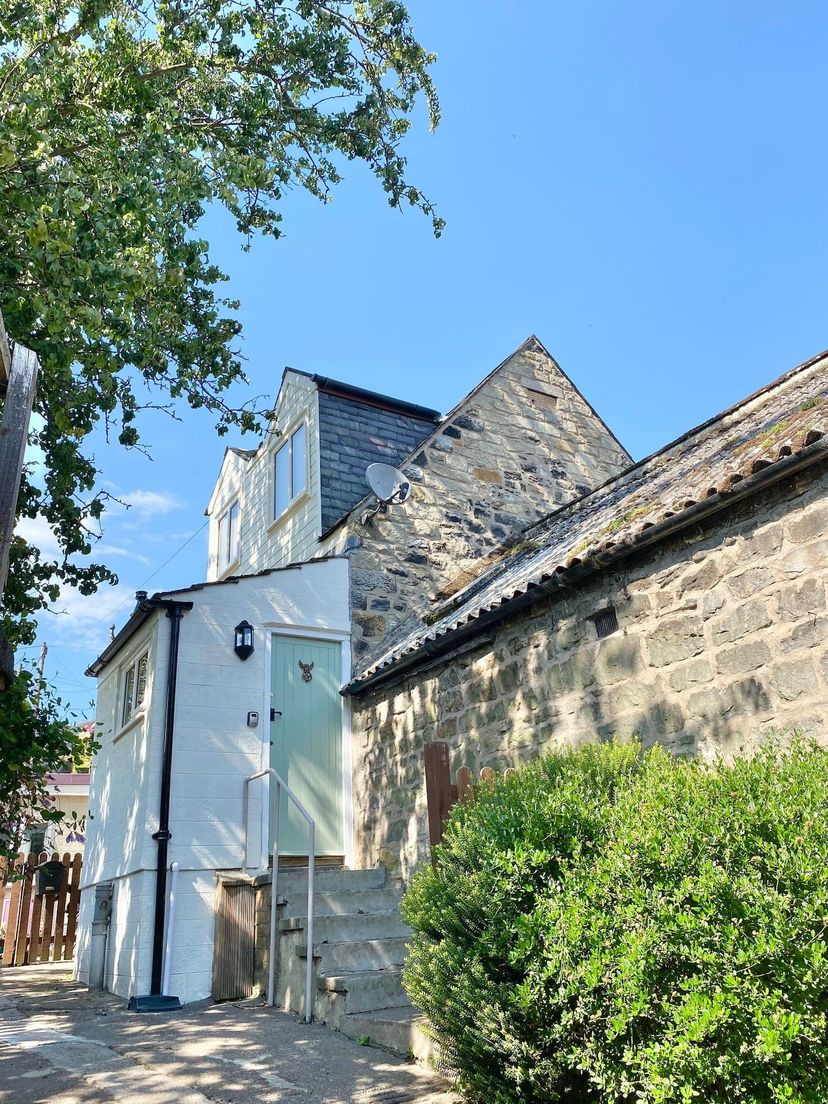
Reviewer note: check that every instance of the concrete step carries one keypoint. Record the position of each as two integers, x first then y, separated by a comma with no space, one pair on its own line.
351,927
397,1029
356,957
367,991
342,902
330,880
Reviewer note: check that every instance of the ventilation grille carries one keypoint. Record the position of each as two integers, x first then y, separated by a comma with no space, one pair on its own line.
605,621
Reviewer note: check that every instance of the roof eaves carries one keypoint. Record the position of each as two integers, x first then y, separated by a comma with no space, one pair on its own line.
404,659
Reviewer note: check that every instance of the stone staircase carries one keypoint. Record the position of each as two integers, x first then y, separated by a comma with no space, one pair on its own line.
359,948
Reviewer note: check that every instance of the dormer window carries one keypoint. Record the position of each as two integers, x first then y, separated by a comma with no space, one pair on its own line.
289,477
228,537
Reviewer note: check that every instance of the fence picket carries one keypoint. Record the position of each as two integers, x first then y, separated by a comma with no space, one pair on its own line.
60,911
24,911
74,901
34,923
441,795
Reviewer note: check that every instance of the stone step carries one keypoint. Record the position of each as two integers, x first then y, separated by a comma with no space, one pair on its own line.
330,880
356,957
351,927
367,991
397,1029
342,902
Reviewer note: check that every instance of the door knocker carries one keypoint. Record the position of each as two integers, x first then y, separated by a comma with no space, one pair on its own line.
306,671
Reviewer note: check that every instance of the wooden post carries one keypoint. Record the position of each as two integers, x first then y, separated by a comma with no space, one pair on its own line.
5,358
14,432
441,795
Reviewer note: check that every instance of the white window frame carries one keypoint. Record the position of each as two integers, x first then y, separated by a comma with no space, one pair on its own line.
229,544
130,705
286,442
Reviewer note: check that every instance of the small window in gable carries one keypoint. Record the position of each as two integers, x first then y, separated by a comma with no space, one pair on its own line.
228,537
135,687
289,471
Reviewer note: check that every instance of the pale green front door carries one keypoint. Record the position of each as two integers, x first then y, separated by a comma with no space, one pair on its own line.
306,740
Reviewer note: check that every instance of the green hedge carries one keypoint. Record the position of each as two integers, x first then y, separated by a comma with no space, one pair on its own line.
620,925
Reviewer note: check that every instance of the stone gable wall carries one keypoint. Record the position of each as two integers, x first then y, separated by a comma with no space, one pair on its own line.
523,444
723,635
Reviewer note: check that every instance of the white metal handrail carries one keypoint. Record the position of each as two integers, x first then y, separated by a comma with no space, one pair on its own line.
277,792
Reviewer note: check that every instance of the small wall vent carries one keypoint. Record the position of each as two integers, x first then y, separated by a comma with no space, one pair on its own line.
605,621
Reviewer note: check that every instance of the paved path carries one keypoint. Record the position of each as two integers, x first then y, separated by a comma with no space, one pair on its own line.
63,1045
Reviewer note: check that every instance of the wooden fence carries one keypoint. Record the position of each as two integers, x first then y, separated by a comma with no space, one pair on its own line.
39,927
441,793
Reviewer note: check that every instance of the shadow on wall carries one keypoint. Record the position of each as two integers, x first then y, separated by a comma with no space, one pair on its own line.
721,639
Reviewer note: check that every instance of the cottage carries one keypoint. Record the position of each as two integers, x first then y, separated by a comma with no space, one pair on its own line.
537,589
313,582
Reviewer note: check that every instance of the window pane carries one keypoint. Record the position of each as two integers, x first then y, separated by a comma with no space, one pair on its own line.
233,534
129,684
297,448
222,541
141,685
282,480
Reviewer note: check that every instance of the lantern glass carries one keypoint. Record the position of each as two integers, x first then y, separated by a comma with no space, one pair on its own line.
243,639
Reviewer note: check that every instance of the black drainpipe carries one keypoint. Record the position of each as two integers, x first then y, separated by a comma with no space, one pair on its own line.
156,1002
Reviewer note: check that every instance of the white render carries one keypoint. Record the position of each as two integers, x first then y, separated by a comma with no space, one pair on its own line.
214,750
267,542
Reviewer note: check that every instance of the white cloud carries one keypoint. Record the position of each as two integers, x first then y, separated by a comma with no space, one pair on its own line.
84,619
115,550
148,504
38,532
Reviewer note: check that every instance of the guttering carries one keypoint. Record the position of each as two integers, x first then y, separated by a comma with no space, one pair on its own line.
563,578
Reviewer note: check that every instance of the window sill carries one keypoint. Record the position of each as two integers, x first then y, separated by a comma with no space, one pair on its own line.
132,723
288,512
229,570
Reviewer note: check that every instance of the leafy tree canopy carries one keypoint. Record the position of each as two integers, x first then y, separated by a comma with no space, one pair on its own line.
120,121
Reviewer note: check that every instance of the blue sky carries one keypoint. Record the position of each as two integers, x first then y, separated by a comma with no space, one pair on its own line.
640,184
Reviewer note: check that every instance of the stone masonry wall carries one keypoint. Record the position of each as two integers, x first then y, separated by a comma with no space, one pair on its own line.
723,635
524,443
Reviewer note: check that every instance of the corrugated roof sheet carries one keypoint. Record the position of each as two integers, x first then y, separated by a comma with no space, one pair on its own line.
709,462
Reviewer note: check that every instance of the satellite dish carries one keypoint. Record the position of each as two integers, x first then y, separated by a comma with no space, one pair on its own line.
388,483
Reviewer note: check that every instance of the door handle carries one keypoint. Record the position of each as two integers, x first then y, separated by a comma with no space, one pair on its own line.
274,713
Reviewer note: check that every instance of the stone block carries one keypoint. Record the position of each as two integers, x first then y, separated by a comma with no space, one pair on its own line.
803,599
809,525
691,674
810,634
676,639
617,658
742,658
705,578
806,559
766,541
794,679
372,625
750,582
713,601
487,475
749,617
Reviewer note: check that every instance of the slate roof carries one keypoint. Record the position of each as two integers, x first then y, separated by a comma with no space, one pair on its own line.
780,427
357,429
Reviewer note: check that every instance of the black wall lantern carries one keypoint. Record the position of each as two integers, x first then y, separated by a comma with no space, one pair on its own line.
243,634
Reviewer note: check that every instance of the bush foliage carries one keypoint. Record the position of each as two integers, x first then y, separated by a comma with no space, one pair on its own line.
619,925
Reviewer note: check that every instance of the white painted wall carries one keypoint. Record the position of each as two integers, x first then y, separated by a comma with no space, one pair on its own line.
214,750
264,541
